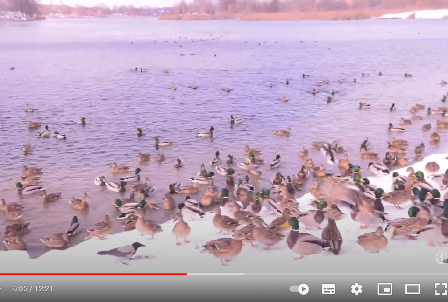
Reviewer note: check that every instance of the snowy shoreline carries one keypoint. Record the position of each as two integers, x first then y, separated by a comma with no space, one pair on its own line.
422,14
162,255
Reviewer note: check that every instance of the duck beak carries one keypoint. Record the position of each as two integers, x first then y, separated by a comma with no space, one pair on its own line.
361,170
387,194
362,180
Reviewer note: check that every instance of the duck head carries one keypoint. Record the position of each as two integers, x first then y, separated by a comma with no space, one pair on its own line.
224,193
230,172
137,171
294,223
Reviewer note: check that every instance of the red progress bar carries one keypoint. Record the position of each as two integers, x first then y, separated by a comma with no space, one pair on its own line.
94,274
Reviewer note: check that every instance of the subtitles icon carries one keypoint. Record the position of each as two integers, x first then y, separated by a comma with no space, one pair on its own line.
328,289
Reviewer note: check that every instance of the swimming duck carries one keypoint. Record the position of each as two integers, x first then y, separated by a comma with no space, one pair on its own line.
59,240
434,138
235,121
81,121
140,186
10,207
27,149
144,157
395,129
305,76
389,159
222,222
29,109
319,171
266,235
396,149
380,73
29,171
225,171
276,163
140,132
73,228
248,151
194,87
101,229
225,249
16,229
26,190
373,242
344,163
135,177
309,163
441,125
286,82
364,105
304,152
44,134
80,204
405,122
129,207
13,215
407,75
162,143
302,243
160,158
399,142
34,125
378,169
419,150
302,174
52,197
230,159
120,169
14,243
203,180
190,210
179,163
166,71
60,136
205,133
188,189
392,108
116,187
99,181
270,85
283,132
285,99
216,161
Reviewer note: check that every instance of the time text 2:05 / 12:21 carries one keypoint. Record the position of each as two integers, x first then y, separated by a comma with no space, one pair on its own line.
32,288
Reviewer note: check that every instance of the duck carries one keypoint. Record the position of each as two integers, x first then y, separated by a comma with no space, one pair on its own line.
140,186
303,244
16,229
366,215
144,157
302,174
34,125
135,177
313,218
140,132
10,207
181,229
120,169
235,121
373,242
230,159
408,226
266,235
401,196
188,189
201,180
168,202
222,222
116,187
81,121
205,133
44,134
281,223
194,87
364,105
407,75
126,208
344,163
332,236
225,171
179,163
441,125
378,169
73,228
434,138
101,229
309,163
432,167
319,171
26,190
208,198
285,99
255,161
248,151
190,210
245,233
29,109
392,108
389,159
147,227
304,152
59,240
440,179
225,249
270,85
160,158
419,150
396,149
12,215
405,122
80,204
399,142
395,129
283,132
52,197
60,136
276,163
14,243
27,149
305,76
30,171
216,161
162,143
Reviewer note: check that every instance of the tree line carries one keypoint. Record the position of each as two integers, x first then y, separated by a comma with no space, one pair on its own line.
289,6
29,7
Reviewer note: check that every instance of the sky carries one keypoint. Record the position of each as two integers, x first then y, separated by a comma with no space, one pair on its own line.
152,3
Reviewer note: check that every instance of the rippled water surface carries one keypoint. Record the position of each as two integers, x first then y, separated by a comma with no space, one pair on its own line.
80,67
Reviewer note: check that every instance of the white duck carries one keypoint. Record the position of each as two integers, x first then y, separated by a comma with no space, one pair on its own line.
44,134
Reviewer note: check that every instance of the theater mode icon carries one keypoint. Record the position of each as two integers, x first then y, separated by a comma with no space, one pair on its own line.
412,289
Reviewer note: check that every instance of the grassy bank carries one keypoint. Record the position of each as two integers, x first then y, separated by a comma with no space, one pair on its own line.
336,15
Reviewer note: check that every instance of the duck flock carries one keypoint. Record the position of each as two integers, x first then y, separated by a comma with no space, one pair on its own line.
240,209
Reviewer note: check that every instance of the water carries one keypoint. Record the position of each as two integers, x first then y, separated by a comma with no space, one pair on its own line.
80,67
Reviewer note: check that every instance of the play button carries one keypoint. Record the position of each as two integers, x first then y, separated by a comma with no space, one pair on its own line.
303,289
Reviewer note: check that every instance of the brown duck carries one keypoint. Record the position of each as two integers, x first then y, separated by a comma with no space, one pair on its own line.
401,196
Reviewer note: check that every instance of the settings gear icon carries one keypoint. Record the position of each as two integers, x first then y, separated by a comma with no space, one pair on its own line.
356,288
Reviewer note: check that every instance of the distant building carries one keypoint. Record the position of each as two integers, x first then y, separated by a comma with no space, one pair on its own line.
14,16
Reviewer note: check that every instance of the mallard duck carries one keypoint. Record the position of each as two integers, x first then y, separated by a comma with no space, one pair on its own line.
245,233
373,242
44,134
225,171
407,75
59,240
135,177
364,105
395,129
266,235
432,167
188,189
396,149
166,71
205,133
230,159
181,229
276,163
255,161
194,87
163,143
281,224
13,215
80,204
222,222
285,82
10,207
60,136
16,229
399,142
27,149
235,121
144,157
392,108
202,180
248,151
407,226
225,249
285,99
160,158
434,138
179,163
26,190
366,215
73,228
331,209
116,187
140,186
309,163
402,161
120,169
216,161
29,109
101,229
440,179
140,132
378,169
405,122
344,163
332,236
283,132
81,121
303,243
207,199
441,125
31,171
147,227
389,159
34,125
14,243
319,171
304,152
419,150
312,218
129,222
52,197
402,196
190,210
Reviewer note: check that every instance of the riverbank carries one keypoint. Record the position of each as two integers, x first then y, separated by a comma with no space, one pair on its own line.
162,255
